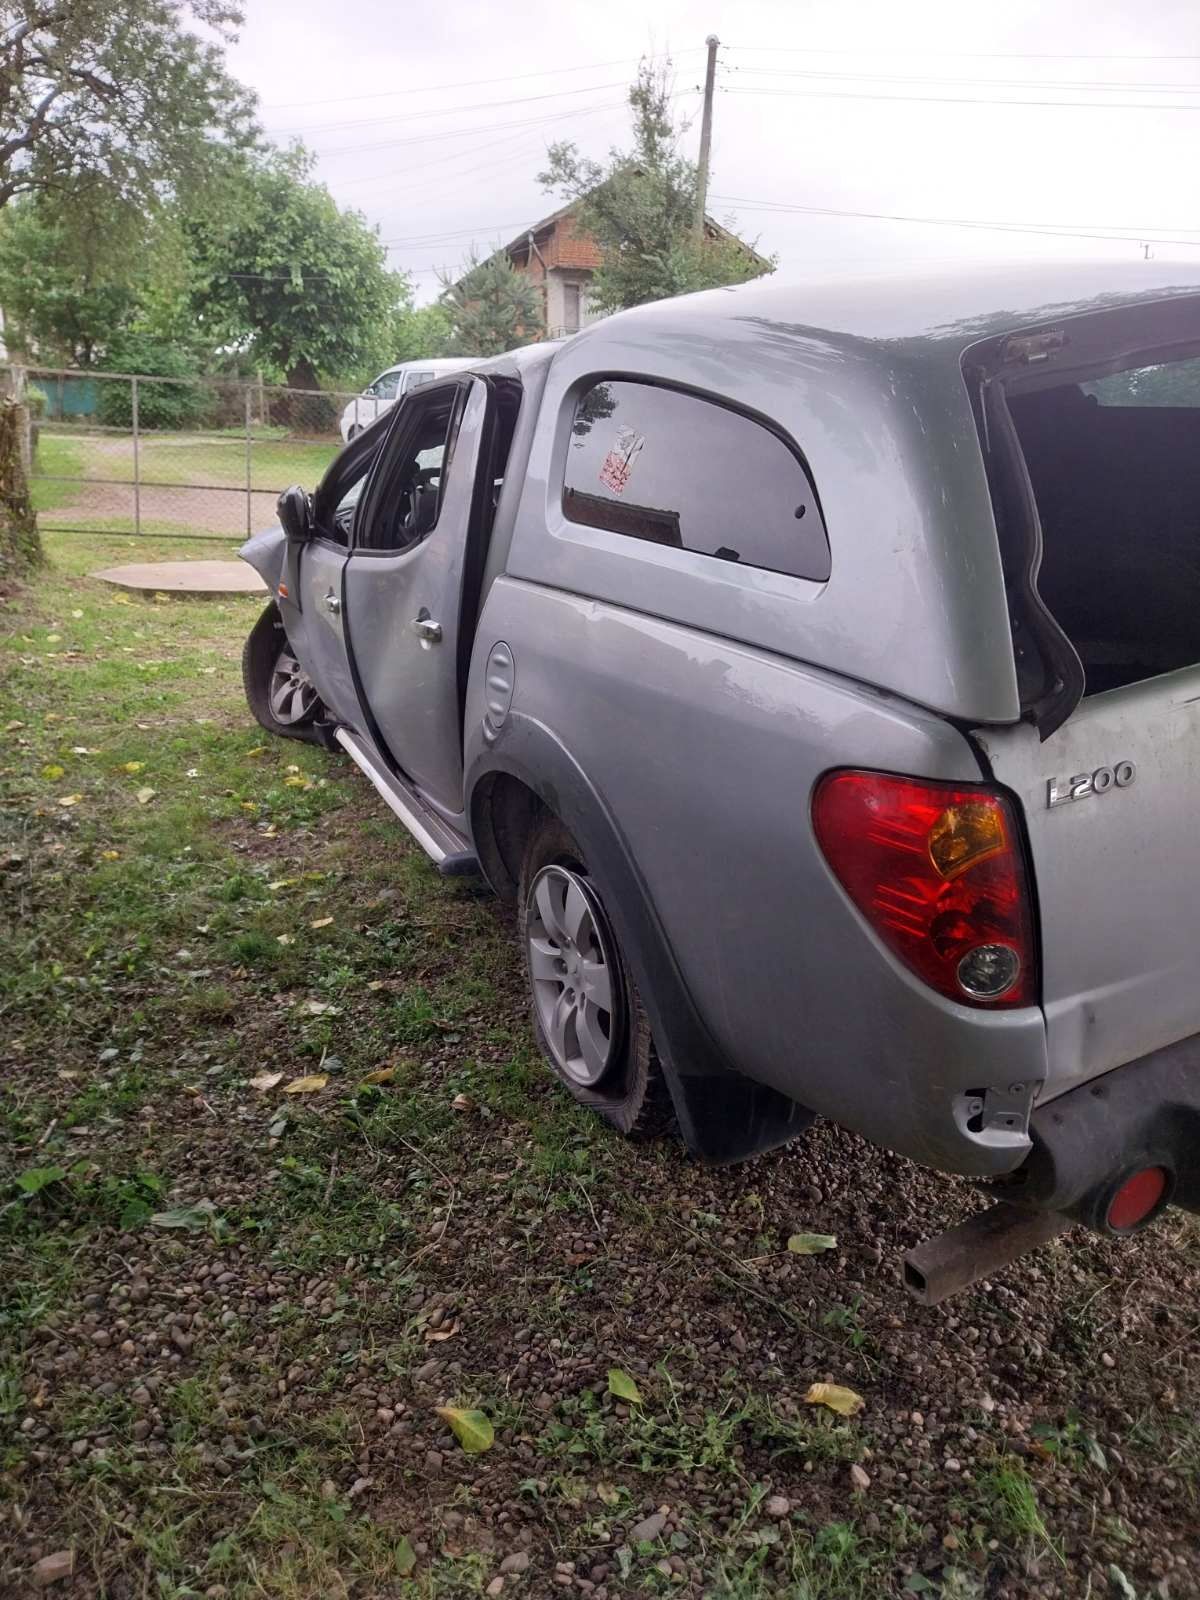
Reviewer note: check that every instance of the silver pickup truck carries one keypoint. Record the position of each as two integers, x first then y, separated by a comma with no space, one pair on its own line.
816,669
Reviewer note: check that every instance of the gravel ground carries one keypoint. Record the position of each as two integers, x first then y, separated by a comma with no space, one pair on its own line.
245,1403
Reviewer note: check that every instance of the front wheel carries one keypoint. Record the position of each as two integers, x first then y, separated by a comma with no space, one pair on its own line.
587,1014
278,690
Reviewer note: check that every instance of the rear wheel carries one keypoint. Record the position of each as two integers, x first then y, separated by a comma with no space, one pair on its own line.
279,691
587,1014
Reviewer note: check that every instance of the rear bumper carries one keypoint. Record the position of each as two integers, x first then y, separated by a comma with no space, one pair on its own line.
1089,1141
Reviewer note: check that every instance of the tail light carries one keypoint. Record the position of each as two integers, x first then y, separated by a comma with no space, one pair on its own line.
937,872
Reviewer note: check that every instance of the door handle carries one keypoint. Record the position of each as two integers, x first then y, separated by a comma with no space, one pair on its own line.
427,630
332,603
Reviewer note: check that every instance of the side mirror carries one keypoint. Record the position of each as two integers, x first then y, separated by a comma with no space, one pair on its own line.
295,514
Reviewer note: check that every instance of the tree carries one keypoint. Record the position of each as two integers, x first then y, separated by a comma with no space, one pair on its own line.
640,208
419,333
284,279
491,307
73,278
119,94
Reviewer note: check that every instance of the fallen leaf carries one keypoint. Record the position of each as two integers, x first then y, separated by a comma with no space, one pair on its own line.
259,750
82,750
1120,1583
145,795
811,1244
320,1008
375,985
309,1085
77,615
622,1386
14,726
53,638
248,805
462,1102
404,1558
69,799
53,773
190,1218
132,766
265,1081
110,855
120,599
285,938
607,1494
844,1401
297,782
471,1428
320,922
281,883
380,1075
446,1331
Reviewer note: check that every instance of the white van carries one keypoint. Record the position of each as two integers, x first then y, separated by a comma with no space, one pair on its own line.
390,385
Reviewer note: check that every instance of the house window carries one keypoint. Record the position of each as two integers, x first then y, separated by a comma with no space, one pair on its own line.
572,294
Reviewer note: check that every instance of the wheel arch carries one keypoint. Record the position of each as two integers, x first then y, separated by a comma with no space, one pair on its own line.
724,1116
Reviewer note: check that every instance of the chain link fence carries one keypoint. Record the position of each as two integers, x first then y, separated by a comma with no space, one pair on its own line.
205,458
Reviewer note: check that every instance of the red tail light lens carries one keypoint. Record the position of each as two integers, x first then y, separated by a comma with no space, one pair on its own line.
937,872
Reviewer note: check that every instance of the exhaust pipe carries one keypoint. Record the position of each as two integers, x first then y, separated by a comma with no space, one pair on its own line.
941,1266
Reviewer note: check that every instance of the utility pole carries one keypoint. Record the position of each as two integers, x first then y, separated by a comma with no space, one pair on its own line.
705,136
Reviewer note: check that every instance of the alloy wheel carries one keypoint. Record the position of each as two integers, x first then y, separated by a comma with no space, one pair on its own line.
577,985
292,695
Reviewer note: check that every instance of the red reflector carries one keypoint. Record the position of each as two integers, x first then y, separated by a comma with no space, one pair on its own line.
936,870
1137,1198
283,591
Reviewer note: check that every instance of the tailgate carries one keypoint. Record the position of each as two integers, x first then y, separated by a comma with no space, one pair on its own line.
1112,809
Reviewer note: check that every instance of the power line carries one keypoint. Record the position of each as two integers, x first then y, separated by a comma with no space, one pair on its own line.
960,100
953,55
469,83
1130,235
446,111
1090,85
463,133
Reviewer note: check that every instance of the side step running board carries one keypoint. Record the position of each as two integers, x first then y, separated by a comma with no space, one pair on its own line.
444,845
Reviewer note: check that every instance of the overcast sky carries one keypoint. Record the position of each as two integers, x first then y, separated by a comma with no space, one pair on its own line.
433,119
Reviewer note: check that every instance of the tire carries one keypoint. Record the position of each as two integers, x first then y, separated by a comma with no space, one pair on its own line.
604,1054
268,664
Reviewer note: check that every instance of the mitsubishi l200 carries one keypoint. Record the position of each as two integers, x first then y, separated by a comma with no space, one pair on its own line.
816,669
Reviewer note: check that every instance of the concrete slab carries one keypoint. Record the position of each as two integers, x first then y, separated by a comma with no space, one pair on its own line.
206,578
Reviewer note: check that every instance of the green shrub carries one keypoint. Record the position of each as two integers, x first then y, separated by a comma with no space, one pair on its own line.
160,405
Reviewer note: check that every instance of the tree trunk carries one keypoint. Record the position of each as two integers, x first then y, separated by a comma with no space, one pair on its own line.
302,375
20,542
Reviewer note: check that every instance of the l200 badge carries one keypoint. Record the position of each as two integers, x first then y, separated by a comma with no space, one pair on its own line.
1060,791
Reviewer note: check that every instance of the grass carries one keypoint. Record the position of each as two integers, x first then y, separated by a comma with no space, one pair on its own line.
181,458
169,950
57,457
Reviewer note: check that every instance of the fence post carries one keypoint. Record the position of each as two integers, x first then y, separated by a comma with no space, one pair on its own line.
249,473
137,474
